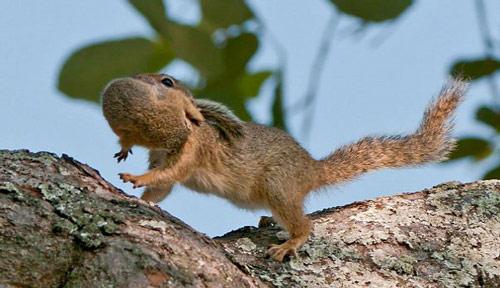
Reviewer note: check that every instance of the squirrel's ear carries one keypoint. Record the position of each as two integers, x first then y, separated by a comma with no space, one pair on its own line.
221,118
193,114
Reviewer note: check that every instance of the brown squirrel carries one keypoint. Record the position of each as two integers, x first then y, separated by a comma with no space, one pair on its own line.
204,146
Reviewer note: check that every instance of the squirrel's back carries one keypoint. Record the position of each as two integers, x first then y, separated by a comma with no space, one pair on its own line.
269,156
260,145
250,158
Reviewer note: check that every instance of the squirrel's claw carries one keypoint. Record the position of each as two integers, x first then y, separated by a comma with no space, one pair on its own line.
278,252
122,155
126,177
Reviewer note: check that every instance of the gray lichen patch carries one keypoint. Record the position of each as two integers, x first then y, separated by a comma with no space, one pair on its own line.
442,237
45,158
123,264
62,225
246,245
481,201
319,247
404,264
94,217
7,187
81,210
27,243
81,219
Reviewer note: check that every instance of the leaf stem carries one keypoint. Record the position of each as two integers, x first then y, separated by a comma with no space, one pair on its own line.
489,47
310,97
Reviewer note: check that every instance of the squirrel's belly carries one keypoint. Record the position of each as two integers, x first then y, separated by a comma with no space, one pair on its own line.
221,185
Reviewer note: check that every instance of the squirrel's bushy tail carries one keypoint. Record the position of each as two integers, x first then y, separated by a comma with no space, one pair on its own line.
430,143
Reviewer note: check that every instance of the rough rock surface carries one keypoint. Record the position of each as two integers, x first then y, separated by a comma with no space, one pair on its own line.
62,225
447,236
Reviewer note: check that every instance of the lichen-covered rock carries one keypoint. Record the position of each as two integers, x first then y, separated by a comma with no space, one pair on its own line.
62,225
448,236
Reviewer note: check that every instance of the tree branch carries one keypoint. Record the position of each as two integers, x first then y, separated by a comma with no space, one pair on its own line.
62,225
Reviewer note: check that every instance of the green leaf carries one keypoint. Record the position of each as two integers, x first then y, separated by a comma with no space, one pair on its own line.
475,68
489,117
87,70
229,95
492,174
235,92
477,148
373,10
196,47
277,107
154,12
238,51
224,13
250,84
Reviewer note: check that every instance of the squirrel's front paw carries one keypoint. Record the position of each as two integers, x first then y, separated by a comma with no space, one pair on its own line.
136,180
122,155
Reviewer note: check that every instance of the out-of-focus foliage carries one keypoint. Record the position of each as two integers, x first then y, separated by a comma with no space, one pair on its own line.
218,47
373,10
475,68
277,108
224,13
490,117
474,147
478,148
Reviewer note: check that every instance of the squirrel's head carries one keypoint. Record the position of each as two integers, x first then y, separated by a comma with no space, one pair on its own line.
150,106
169,91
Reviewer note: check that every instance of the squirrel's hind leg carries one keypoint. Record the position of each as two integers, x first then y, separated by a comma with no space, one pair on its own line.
291,216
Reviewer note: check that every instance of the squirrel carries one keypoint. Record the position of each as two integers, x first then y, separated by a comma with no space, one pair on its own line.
202,145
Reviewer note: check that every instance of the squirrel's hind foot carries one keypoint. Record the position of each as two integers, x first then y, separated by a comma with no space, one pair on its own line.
279,252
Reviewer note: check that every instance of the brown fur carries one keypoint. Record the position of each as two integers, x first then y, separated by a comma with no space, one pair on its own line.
251,165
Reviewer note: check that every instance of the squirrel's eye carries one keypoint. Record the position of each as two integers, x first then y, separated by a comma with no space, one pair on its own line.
167,82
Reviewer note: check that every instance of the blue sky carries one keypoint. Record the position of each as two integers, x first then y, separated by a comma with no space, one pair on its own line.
365,89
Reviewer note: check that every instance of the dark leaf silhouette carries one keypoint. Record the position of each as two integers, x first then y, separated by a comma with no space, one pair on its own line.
154,12
250,84
230,95
277,108
196,47
237,52
489,117
224,13
492,174
373,10
477,148
475,68
235,93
